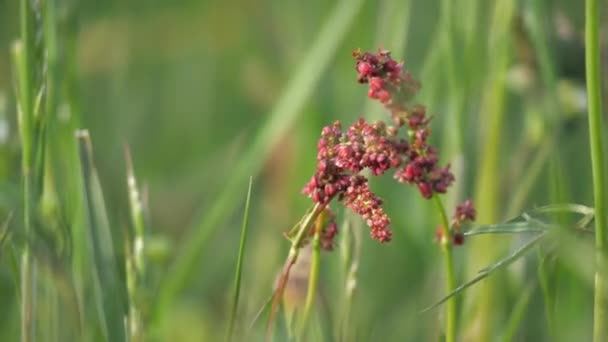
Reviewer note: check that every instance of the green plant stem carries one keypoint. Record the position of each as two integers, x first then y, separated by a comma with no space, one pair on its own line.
351,256
446,248
23,61
594,100
294,251
239,264
313,279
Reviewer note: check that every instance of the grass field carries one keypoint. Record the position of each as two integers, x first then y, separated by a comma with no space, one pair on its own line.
153,155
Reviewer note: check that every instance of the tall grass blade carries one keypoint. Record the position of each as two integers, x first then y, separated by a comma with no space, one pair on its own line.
24,67
517,314
111,294
134,259
529,222
239,264
483,273
265,307
4,232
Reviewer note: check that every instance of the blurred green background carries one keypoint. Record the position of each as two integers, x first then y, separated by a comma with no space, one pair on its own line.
208,93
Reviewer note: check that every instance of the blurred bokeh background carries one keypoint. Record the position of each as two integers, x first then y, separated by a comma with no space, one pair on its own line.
208,93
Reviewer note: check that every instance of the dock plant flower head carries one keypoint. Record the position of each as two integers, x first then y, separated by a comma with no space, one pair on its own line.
343,154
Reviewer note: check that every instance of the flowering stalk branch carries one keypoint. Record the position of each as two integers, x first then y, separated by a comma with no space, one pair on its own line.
296,244
313,279
446,248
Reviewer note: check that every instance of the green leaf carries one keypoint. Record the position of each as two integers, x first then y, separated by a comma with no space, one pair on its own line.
265,307
109,290
485,272
508,228
239,264
530,222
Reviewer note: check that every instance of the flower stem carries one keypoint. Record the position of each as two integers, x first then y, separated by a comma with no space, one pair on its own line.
313,278
446,247
592,67
23,59
294,251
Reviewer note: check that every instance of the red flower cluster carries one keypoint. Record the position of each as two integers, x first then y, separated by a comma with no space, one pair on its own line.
328,231
387,82
394,88
343,155
464,213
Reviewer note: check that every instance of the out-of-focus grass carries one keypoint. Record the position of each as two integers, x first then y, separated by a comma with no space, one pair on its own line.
208,93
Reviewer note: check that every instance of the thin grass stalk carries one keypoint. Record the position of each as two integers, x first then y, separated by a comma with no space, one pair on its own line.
23,59
313,278
351,266
487,305
111,292
544,273
134,260
448,259
518,314
594,100
239,264
294,251
550,264
287,109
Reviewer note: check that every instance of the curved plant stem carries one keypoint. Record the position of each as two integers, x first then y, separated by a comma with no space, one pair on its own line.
313,278
592,67
294,251
446,248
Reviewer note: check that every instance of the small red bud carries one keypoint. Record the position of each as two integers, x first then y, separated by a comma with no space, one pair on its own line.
458,238
384,96
364,68
425,190
372,94
376,83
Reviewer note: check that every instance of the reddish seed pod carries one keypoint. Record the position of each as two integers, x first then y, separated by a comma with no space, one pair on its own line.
438,233
384,96
376,83
425,189
458,238
364,68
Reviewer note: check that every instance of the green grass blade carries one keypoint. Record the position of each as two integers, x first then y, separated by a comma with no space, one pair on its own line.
297,92
485,272
528,222
239,264
134,258
518,313
111,300
265,307
564,207
4,232
510,228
